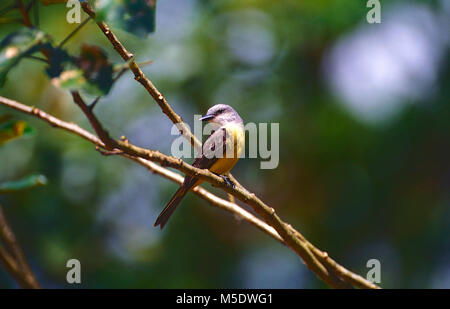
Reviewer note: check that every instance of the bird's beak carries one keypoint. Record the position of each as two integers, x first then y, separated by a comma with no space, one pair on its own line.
207,117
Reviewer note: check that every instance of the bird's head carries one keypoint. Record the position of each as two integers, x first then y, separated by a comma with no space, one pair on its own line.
221,114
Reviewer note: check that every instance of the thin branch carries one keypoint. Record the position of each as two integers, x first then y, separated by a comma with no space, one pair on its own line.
211,198
104,152
24,13
53,121
142,79
333,274
154,168
11,266
231,198
110,144
94,103
266,212
16,263
287,233
37,58
298,244
126,65
78,28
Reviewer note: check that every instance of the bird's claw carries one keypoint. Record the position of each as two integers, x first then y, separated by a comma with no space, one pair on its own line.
229,181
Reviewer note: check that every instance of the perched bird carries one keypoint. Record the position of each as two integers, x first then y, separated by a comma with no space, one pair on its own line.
220,153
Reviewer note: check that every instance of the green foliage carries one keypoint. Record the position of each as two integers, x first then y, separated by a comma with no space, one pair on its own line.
135,16
91,71
360,191
58,60
11,129
22,184
18,45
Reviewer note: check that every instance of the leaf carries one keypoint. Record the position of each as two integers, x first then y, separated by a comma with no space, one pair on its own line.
13,129
18,45
58,59
135,16
25,183
96,67
91,71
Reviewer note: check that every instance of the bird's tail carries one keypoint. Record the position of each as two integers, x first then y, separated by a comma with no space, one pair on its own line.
171,206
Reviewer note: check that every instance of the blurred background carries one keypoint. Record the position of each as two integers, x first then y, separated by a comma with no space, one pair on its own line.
364,167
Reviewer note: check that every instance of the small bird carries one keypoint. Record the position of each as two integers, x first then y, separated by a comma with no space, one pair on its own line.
228,140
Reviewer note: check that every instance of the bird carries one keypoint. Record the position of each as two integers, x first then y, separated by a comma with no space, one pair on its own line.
219,153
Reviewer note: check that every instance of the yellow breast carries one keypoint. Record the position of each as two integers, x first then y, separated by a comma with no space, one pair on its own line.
234,147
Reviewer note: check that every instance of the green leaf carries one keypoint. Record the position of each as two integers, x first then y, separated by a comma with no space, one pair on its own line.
25,183
135,16
96,67
18,45
13,129
58,59
91,71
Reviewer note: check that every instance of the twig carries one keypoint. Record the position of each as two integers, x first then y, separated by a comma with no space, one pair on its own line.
108,152
78,28
15,263
327,269
37,58
53,121
267,213
110,144
11,266
142,79
23,11
126,65
231,198
94,103
288,234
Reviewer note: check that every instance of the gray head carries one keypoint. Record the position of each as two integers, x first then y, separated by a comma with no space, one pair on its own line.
222,114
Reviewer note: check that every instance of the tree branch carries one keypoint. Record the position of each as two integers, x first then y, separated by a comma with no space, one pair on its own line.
24,13
142,79
319,262
326,269
241,193
15,263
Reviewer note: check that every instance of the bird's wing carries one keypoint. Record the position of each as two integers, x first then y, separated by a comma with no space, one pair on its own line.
215,142
213,149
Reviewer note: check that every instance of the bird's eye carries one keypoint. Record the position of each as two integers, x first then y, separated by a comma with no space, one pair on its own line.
219,111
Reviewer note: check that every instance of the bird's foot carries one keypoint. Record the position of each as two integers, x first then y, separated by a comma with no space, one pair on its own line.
228,181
